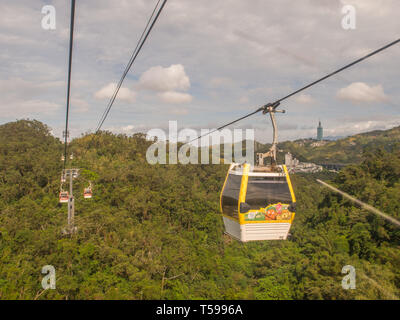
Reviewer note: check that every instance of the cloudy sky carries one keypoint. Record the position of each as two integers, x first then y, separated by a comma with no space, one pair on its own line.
205,63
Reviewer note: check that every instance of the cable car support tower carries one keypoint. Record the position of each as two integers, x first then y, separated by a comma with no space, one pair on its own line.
71,173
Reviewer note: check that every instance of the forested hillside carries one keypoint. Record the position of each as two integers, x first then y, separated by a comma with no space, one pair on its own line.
155,232
343,151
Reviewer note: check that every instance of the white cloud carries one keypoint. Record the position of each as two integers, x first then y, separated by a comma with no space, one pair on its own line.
165,79
354,127
304,99
175,97
128,128
167,82
358,92
124,94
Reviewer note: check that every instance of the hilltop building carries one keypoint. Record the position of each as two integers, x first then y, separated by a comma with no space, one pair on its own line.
290,162
295,165
320,132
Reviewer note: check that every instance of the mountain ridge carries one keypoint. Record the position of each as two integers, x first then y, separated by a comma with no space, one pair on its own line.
347,150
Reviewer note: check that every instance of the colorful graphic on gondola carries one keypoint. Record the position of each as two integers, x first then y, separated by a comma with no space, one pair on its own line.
276,211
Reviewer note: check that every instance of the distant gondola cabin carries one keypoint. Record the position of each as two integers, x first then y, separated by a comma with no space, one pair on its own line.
64,197
87,193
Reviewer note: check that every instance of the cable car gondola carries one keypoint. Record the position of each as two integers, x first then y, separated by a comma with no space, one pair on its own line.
87,192
258,203
63,178
64,197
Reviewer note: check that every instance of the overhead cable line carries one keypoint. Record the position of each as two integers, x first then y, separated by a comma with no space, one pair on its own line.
71,41
340,70
275,104
128,64
135,53
361,204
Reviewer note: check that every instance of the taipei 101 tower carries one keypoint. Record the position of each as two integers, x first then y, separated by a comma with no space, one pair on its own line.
320,132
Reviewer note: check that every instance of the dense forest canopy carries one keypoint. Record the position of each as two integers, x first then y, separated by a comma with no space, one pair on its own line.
155,231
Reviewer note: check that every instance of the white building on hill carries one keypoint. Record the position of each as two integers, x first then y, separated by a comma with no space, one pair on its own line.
295,165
